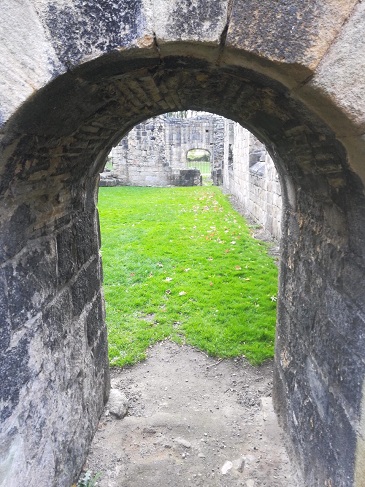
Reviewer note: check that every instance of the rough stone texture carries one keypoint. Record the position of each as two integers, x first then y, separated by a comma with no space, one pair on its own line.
340,70
56,142
291,33
84,29
22,33
202,20
250,175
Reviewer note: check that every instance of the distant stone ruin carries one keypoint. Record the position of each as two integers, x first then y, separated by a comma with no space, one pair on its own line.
154,153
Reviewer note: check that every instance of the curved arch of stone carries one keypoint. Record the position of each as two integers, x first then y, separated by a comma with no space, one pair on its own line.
82,77
199,147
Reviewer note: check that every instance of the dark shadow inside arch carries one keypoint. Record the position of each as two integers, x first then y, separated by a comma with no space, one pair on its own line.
52,151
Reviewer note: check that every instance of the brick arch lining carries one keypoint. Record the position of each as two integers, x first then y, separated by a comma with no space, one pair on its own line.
54,341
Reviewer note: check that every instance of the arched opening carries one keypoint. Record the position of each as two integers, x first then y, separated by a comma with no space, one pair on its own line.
135,219
195,299
53,149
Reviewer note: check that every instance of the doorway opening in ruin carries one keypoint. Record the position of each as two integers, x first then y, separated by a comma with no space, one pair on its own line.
137,162
200,159
146,157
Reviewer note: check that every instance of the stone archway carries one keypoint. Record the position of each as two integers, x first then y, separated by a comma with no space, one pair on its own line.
276,80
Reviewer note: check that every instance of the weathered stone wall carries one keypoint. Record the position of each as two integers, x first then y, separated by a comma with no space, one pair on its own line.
54,364
250,175
78,75
140,158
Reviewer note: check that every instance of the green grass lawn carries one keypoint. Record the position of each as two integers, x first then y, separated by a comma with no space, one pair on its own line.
180,263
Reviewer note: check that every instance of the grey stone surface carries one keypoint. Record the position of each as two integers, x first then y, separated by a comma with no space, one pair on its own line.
23,39
117,404
292,34
178,20
340,70
249,174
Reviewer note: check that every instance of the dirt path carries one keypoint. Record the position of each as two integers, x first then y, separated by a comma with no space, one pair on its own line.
192,421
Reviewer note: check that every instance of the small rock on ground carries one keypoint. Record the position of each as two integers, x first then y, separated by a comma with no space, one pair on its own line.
117,404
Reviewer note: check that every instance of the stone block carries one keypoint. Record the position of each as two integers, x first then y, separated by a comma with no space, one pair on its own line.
23,33
95,321
31,281
288,33
198,20
66,254
100,357
86,236
82,30
15,231
340,70
55,322
85,286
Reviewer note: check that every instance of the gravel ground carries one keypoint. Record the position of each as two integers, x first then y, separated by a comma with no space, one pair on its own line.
192,421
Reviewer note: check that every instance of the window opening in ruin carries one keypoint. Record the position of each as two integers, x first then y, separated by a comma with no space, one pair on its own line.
200,159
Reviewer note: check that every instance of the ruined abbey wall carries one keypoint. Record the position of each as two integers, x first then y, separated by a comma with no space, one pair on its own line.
250,175
154,153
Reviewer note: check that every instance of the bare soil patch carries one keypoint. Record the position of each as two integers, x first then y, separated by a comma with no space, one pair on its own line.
192,421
